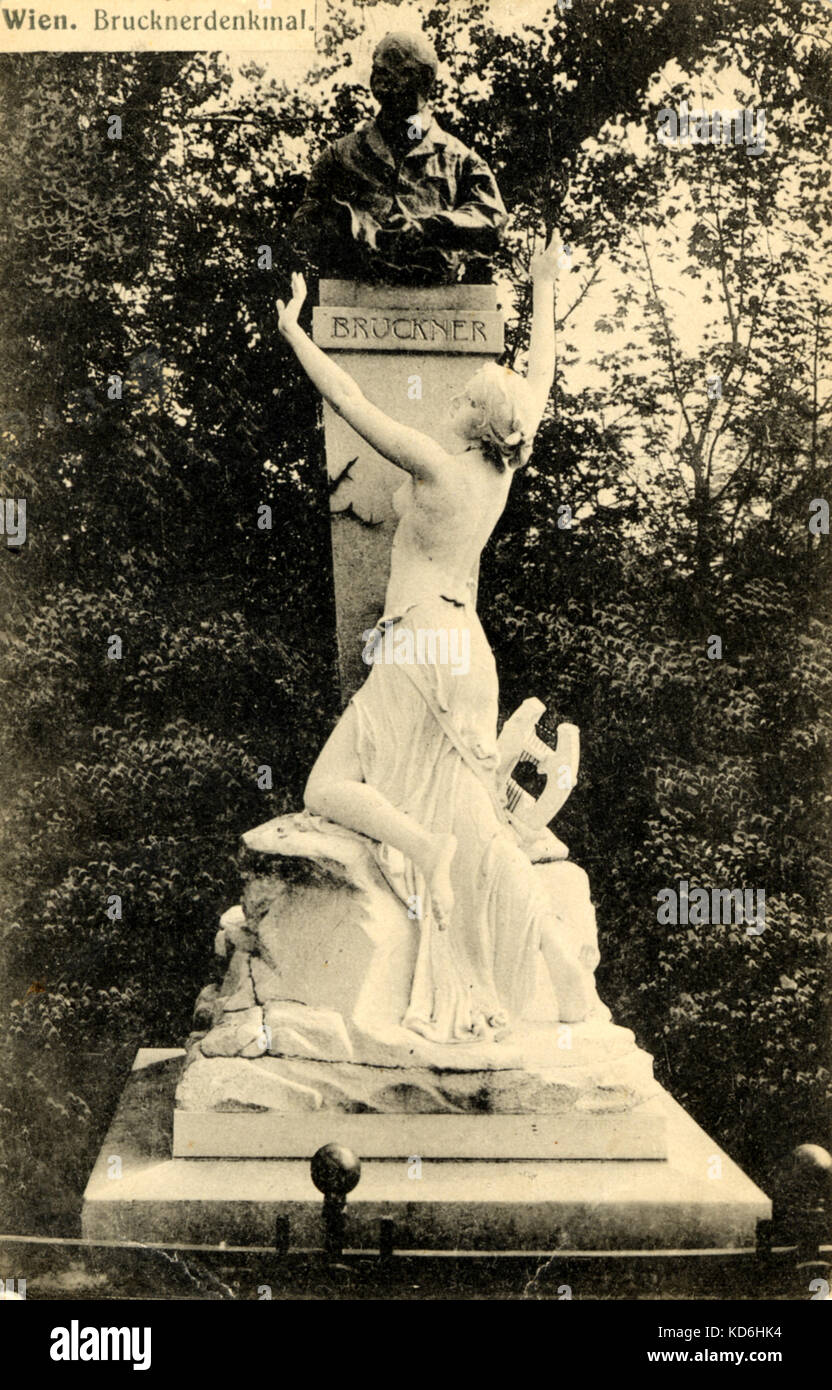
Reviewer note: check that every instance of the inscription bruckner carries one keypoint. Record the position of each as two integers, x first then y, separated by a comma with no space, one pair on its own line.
439,330
379,326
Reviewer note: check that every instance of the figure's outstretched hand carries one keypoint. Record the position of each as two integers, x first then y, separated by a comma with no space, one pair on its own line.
287,314
546,265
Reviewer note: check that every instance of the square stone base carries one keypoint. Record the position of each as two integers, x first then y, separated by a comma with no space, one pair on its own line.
697,1198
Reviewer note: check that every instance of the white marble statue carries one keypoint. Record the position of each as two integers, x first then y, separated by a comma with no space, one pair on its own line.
412,762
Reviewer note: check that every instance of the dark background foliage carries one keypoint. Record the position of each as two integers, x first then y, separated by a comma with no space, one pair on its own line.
134,777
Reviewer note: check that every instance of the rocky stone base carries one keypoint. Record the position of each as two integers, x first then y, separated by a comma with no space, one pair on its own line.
601,1069
307,1018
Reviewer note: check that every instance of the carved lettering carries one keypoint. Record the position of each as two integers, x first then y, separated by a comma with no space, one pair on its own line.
407,329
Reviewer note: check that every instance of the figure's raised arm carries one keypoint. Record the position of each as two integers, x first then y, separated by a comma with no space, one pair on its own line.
409,449
541,373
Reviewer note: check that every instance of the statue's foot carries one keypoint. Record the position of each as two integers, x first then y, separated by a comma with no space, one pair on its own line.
437,870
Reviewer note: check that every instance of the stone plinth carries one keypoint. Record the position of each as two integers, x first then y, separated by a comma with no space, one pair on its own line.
409,349
678,1204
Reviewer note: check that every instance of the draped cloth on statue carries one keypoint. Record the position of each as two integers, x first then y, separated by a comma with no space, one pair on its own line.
427,739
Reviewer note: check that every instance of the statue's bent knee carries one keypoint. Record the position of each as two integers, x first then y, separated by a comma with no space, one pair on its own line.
314,796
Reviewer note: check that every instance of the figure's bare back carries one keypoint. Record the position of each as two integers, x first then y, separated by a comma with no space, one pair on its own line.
446,523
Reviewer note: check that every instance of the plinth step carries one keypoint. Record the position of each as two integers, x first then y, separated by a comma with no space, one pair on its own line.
637,1133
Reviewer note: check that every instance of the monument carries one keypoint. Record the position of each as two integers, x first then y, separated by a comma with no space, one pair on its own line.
411,969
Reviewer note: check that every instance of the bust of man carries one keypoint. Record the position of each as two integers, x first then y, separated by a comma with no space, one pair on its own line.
400,200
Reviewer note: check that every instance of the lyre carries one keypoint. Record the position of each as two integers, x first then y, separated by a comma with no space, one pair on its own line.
519,742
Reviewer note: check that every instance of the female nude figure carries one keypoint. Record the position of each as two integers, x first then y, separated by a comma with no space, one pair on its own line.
411,762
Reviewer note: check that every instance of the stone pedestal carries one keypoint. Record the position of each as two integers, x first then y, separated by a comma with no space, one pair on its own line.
696,1199
409,349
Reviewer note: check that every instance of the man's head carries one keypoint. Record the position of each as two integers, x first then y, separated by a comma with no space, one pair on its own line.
404,69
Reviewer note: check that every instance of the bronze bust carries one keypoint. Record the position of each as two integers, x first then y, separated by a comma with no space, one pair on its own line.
400,200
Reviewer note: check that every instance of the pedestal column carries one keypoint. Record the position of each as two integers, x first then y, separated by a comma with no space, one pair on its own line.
409,349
